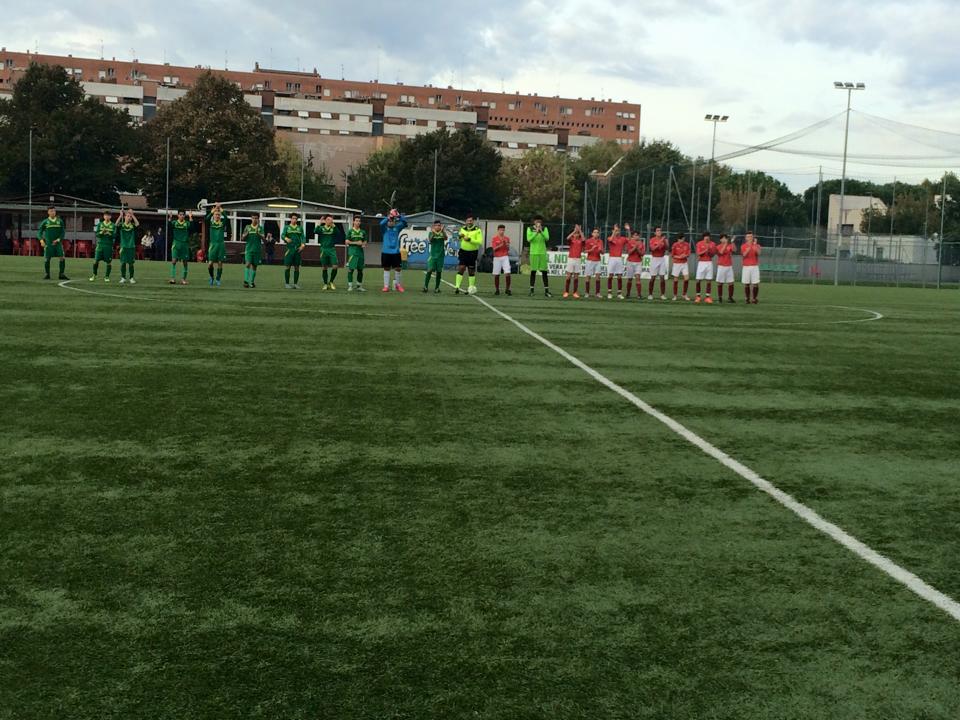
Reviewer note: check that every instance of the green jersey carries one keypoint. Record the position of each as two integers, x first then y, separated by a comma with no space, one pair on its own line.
181,232
51,230
253,236
356,236
106,232
438,244
292,235
218,229
127,232
537,240
328,239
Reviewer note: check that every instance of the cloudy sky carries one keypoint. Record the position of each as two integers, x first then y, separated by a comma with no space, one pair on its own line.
770,65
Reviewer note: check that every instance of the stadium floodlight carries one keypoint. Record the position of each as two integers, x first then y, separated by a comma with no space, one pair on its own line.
713,153
849,87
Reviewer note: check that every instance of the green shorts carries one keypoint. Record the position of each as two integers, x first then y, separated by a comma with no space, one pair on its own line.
217,253
252,257
538,263
355,262
128,255
103,253
293,259
435,264
328,257
180,251
53,250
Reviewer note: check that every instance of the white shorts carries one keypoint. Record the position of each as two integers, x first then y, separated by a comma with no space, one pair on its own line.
724,274
593,268
681,270
634,269
658,267
751,275
574,266
615,266
501,265
704,270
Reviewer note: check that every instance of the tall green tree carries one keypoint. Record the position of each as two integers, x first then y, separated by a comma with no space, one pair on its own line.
219,147
536,183
80,146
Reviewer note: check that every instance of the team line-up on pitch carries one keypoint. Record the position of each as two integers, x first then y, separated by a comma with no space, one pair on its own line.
625,252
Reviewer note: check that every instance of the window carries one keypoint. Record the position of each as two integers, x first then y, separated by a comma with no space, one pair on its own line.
587,112
319,89
566,110
326,91
344,132
540,106
303,113
411,121
112,99
513,145
111,72
493,105
326,116
511,106
167,79
101,74
78,72
301,129
408,99
450,123
431,100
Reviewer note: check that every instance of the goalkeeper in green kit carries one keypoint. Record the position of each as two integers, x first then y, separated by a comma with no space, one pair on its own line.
356,242
438,254
106,233
127,225
51,233
216,242
537,238
293,237
180,248
252,235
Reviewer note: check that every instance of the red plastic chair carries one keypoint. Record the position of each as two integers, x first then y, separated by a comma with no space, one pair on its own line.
16,246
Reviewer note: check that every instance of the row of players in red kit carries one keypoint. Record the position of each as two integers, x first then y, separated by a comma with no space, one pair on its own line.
661,253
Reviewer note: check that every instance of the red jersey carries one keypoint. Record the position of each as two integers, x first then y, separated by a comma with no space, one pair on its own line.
725,254
680,251
615,245
501,246
635,250
576,247
594,248
658,246
751,254
706,249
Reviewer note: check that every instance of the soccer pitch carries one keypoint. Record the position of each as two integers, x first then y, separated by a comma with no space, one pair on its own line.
226,503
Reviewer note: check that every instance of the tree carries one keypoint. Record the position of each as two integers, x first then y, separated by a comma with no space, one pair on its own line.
79,145
219,147
317,183
534,185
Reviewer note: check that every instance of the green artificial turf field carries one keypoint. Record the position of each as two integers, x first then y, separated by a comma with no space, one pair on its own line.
228,503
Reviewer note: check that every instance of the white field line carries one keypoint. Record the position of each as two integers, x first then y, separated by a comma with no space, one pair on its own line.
864,552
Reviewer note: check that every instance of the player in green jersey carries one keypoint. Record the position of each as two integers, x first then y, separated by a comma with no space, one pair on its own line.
180,248
437,237
328,251
51,233
537,238
356,242
293,237
126,231
105,232
217,233
252,235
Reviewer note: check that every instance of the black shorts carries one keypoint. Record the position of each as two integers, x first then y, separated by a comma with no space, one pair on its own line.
390,261
468,258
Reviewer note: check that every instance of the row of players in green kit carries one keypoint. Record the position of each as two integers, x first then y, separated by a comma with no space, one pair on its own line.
108,232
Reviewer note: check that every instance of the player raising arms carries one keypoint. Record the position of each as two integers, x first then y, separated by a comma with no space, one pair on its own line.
216,242
437,237
615,266
328,252
252,236
635,250
51,233
680,254
575,241
293,236
537,238
594,250
725,252
180,248
390,228
471,240
706,249
356,242
501,259
127,225
106,233
658,263
750,251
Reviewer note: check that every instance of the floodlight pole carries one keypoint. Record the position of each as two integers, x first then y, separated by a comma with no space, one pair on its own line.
849,87
943,212
713,154
30,182
166,215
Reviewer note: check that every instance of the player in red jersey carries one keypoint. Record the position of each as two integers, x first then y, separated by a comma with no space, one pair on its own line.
501,258
680,254
750,251
658,263
635,250
615,244
594,250
575,242
706,249
726,249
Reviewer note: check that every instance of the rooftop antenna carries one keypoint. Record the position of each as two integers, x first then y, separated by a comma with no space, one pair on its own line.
342,74
101,48
226,59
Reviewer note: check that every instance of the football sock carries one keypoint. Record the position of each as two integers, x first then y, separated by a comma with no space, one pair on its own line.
609,283
296,276
709,287
386,278
110,267
675,283
360,276
756,292
396,278
630,286
619,283
426,279
686,284
730,292
131,270
63,267
436,283
123,270
253,275
663,286
566,284
544,276
698,287
458,281
46,266
508,281
576,284
333,275
246,274
650,287
173,271
184,270
350,277
533,278
326,276
746,292
286,276
219,272
472,280
210,270
598,284
95,266
496,283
